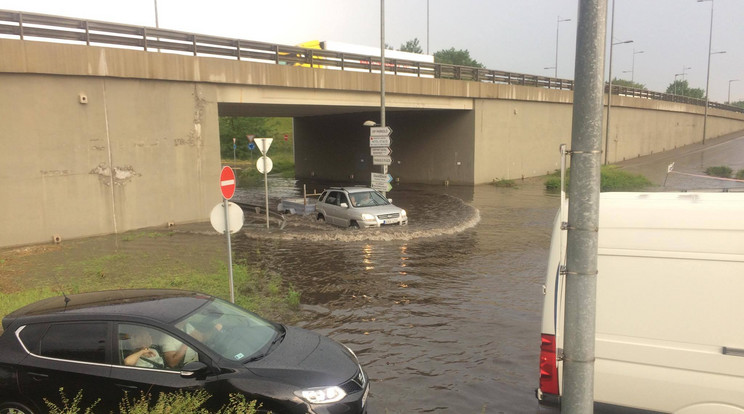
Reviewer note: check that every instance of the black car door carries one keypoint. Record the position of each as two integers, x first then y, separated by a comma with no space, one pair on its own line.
66,358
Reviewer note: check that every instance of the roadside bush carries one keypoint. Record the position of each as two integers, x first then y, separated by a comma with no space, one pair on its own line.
612,178
719,171
740,175
168,403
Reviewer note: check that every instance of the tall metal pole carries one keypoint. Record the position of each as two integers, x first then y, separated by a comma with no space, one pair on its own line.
382,72
583,213
707,77
557,27
427,27
632,68
729,90
609,87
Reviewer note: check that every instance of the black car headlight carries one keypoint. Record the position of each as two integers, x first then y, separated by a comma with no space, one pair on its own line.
322,395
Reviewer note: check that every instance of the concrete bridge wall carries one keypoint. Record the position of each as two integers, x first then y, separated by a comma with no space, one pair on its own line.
101,140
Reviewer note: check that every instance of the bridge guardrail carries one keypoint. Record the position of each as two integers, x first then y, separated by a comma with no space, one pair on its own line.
65,29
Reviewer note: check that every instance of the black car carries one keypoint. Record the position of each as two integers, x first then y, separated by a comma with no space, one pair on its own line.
128,342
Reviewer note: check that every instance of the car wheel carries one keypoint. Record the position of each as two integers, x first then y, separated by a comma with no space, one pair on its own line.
354,225
14,408
321,218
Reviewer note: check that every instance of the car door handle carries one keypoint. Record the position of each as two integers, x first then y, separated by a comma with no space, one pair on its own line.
38,376
126,387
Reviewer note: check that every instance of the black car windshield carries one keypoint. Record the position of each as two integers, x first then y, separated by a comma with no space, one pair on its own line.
230,331
367,199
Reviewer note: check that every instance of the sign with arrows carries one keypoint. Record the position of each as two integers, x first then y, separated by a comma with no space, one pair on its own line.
379,141
380,151
377,178
380,131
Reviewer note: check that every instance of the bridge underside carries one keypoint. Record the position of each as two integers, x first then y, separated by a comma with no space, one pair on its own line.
331,144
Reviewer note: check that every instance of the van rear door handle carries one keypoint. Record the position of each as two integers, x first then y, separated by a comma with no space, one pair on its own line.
733,351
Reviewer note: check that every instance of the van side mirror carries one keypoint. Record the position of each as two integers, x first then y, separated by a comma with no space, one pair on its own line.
344,205
390,200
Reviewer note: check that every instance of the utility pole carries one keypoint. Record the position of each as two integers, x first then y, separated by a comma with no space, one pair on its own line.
583,213
382,73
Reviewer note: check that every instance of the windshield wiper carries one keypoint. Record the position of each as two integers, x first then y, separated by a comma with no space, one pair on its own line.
277,339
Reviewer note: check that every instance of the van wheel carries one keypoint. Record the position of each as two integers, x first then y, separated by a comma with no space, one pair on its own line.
321,218
14,408
354,225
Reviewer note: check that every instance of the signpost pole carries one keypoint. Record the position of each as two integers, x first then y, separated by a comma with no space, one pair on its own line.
382,72
266,190
227,187
229,250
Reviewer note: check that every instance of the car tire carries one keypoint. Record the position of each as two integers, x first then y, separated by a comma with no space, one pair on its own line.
354,224
14,408
321,218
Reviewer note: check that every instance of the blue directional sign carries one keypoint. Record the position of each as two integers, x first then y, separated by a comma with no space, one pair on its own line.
251,146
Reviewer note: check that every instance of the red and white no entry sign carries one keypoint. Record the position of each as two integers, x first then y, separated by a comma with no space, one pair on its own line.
227,182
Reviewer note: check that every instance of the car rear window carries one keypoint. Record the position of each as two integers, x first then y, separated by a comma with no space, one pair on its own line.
75,341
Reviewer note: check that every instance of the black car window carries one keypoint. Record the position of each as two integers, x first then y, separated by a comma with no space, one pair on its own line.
146,347
85,341
31,337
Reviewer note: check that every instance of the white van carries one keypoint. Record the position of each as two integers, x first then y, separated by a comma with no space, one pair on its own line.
670,304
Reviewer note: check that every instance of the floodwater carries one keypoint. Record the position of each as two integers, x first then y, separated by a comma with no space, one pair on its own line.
444,313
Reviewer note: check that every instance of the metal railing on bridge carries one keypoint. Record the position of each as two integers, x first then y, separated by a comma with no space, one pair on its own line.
32,26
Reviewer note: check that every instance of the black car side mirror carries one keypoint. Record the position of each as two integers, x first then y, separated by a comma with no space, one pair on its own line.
195,369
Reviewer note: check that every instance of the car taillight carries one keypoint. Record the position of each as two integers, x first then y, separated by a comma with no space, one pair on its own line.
548,365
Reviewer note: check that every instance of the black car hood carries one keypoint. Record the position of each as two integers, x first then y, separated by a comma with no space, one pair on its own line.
307,359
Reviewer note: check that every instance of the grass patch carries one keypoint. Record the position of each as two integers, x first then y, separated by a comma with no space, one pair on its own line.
612,179
740,175
503,183
178,262
719,171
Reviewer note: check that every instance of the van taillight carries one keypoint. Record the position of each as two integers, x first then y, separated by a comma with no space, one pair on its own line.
548,367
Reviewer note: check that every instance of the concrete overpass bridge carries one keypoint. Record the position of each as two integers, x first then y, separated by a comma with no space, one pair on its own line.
109,128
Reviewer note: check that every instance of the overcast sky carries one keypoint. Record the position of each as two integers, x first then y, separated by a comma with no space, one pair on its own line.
668,36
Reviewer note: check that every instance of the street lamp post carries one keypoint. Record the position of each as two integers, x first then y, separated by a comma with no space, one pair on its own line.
557,28
632,68
675,81
609,88
729,90
707,77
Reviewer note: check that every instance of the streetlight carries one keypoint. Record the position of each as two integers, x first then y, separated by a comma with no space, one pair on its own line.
609,89
632,68
684,68
557,27
729,90
675,81
707,77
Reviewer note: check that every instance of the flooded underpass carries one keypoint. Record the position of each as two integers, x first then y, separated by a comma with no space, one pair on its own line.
443,313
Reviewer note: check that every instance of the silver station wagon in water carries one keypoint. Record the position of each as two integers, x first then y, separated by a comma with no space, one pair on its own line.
358,207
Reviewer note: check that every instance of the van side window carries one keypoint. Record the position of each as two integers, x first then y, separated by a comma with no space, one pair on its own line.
84,341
